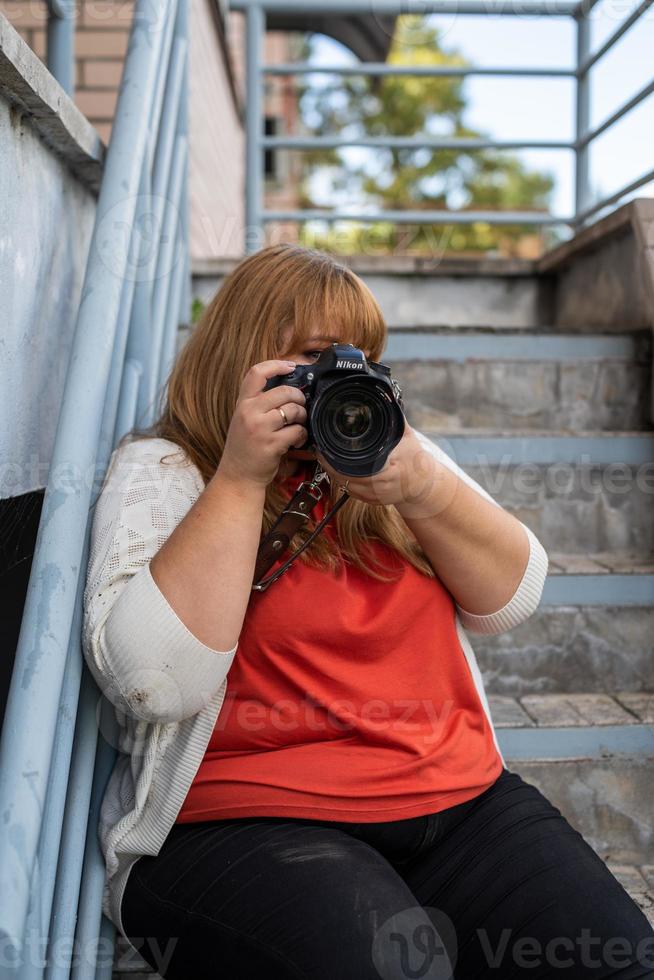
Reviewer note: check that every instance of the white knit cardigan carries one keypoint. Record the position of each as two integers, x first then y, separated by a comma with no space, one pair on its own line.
167,688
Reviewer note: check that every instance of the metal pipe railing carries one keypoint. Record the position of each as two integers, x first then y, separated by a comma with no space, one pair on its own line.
626,107
508,8
410,217
256,142
61,43
584,66
407,143
613,198
255,26
383,70
41,868
582,118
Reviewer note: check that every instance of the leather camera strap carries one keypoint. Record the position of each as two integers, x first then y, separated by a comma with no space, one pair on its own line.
278,539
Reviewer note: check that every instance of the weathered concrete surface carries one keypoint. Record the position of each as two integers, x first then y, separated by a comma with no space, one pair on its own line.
48,214
575,508
446,293
601,280
566,396
33,93
442,300
605,276
570,710
641,705
571,649
601,563
609,801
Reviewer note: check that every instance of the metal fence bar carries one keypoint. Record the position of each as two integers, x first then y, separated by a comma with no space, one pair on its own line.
407,143
592,134
255,27
156,119
75,827
429,71
83,872
49,844
172,315
255,10
58,797
510,8
89,919
582,117
183,127
162,284
592,59
163,153
26,753
61,43
75,780
610,199
104,970
442,217
128,399
165,195
584,7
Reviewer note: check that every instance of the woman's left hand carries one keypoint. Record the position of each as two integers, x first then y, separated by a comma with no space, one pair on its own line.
409,476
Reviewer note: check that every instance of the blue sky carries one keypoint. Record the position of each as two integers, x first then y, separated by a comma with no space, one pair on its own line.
545,108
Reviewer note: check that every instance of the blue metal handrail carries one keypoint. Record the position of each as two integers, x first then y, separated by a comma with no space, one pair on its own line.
61,42
256,71
53,766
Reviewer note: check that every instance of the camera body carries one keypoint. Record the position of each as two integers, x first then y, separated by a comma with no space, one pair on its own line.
355,413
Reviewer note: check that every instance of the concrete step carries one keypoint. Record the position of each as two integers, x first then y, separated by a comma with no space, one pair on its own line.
578,710
606,578
592,755
509,379
584,493
511,447
593,631
436,292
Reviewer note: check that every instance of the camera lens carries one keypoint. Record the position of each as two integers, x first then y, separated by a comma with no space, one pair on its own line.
354,418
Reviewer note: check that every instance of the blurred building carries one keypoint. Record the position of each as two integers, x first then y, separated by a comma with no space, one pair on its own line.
217,97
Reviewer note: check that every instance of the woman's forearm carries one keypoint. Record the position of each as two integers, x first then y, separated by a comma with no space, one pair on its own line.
205,569
478,550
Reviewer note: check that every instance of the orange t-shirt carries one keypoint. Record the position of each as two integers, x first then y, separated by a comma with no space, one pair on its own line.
348,699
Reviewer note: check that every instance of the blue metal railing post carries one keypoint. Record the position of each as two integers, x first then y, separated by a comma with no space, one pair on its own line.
582,114
183,127
26,750
61,43
254,38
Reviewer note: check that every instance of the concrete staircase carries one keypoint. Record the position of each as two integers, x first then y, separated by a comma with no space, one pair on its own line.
555,426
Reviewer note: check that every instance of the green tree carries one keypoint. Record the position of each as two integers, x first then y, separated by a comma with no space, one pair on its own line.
420,179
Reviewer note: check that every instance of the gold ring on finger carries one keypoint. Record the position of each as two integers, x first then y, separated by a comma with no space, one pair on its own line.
283,415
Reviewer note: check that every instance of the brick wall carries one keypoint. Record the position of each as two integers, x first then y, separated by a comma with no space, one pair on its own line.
216,132
216,145
101,37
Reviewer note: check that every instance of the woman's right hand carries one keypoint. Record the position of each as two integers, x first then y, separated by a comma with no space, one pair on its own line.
257,438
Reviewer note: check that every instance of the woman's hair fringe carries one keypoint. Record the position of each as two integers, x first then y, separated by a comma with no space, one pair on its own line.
279,286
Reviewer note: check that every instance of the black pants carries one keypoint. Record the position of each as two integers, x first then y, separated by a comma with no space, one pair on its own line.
501,886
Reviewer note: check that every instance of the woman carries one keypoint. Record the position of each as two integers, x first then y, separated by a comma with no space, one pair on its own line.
310,784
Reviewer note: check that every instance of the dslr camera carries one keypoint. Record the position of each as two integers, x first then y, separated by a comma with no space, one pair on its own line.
355,414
